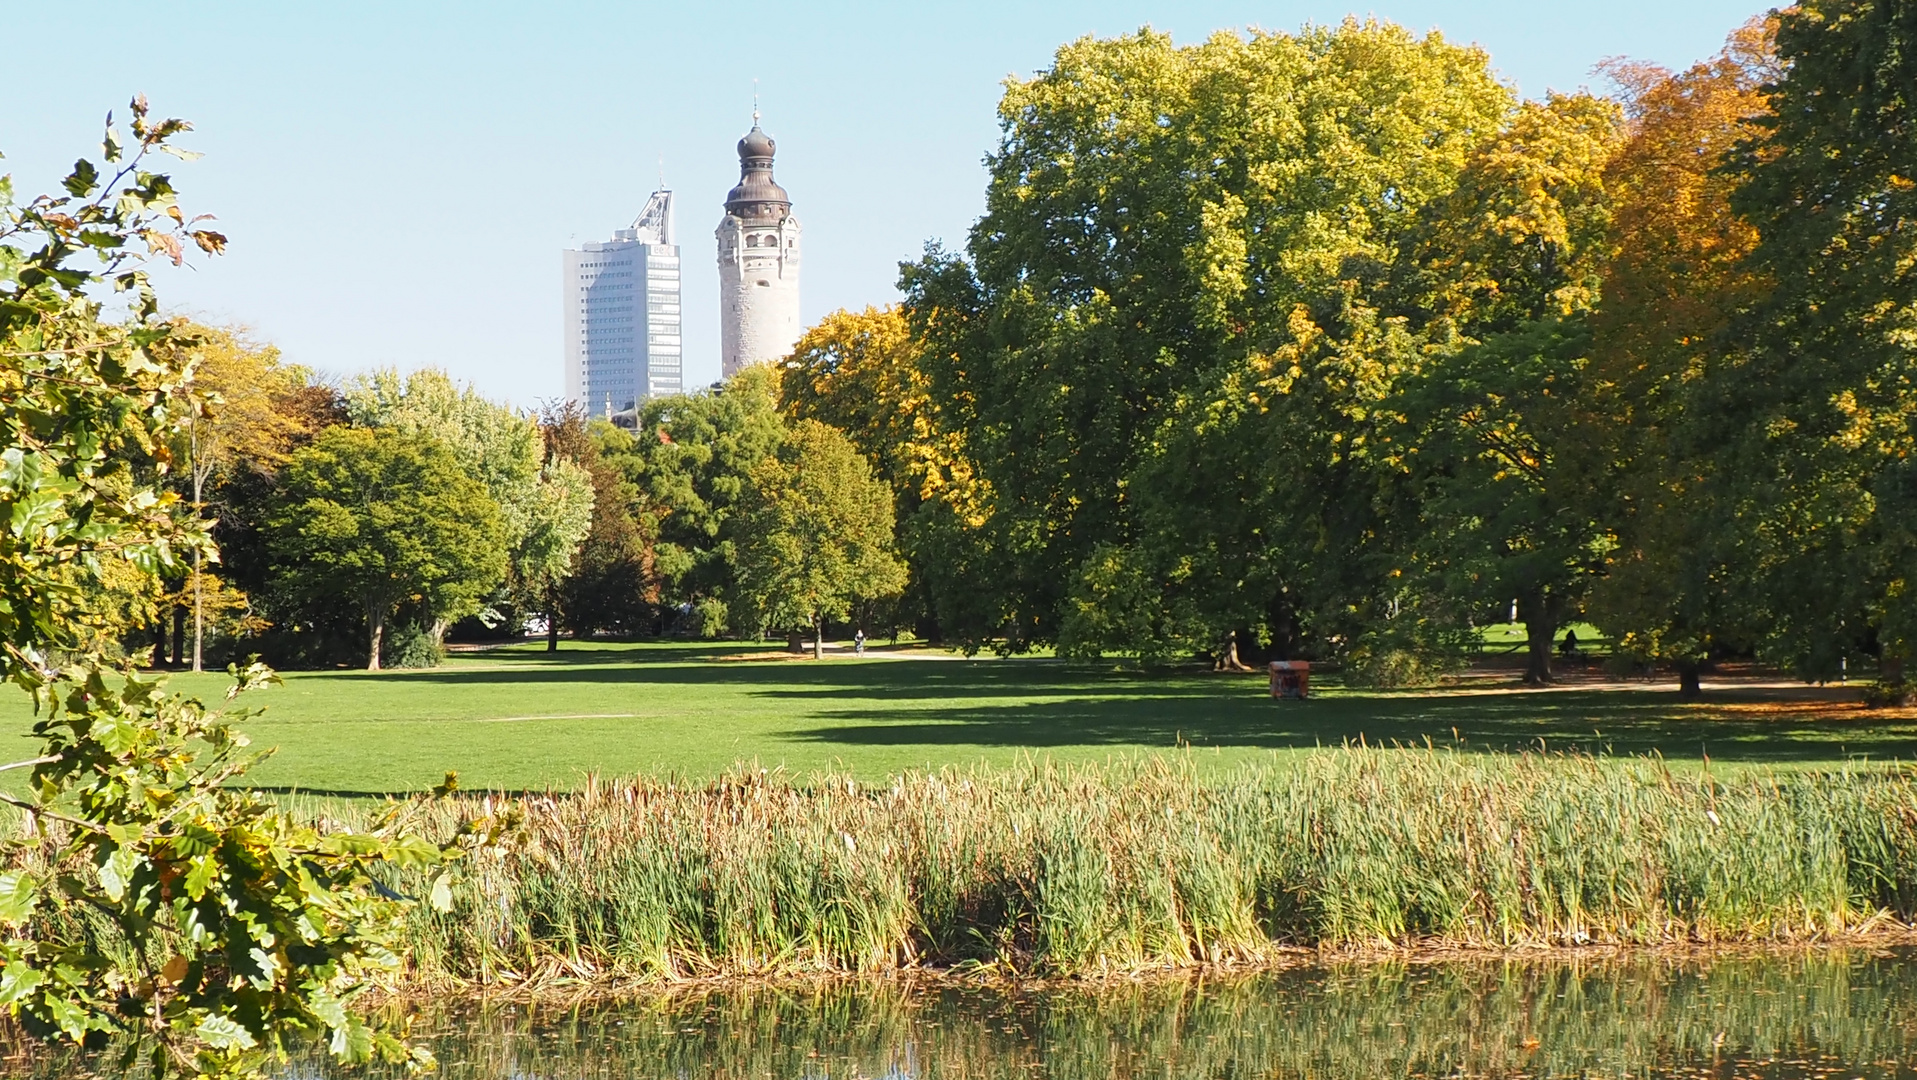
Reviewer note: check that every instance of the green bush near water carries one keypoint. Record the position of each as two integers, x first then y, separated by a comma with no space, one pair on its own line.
1079,871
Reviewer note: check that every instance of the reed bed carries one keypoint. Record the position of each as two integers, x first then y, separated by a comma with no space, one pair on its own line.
1060,871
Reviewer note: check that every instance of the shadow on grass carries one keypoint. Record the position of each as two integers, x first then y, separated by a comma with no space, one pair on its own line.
944,703
1562,722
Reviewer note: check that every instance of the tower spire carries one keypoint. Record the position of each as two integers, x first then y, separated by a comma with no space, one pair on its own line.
755,103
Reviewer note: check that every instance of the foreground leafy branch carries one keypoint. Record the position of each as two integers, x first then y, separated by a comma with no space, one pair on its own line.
146,903
231,926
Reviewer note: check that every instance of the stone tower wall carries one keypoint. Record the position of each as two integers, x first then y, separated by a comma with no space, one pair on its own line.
758,291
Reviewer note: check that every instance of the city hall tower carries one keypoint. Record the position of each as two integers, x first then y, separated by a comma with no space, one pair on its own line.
758,262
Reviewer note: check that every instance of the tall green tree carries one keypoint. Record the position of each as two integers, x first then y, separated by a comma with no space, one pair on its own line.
389,519
612,585
1813,409
690,457
814,535
1165,350
284,628
1499,448
545,501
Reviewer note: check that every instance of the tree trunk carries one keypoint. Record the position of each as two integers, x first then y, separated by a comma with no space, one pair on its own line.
1689,686
1890,680
818,637
199,607
159,642
1540,633
199,554
179,634
377,623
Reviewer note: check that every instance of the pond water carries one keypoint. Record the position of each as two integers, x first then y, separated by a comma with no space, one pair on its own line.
1796,1015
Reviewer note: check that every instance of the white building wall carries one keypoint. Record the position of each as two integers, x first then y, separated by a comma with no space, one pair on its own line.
758,291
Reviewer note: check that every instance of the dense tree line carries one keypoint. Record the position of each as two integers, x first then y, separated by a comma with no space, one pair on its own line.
1324,345
1319,345
365,523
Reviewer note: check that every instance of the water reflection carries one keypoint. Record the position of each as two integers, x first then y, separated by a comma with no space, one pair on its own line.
1794,1016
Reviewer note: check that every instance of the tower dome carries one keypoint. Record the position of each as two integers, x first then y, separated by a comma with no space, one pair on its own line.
757,144
757,195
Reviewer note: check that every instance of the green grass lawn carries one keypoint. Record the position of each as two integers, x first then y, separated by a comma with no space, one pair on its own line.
521,718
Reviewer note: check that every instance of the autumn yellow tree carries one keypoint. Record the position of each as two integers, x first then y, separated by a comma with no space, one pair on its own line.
240,418
1524,234
1679,274
861,373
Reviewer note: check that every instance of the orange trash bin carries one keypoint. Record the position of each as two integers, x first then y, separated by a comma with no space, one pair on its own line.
1291,679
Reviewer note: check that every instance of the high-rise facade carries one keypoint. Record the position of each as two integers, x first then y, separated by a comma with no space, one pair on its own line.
758,262
622,316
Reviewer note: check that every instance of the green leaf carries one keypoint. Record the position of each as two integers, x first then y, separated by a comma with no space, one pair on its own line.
352,1042
117,872
413,850
71,1019
82,180
18,896
328,1008
17,980
224,1033
200,874
266,965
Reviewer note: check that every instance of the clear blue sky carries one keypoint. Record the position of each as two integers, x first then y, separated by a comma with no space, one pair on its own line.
398,179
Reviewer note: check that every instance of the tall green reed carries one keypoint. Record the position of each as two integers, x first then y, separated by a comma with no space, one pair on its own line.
1140,864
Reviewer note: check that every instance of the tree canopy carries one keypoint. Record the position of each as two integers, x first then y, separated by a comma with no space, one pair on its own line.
545,502
1812,407
390,520
1318,345
1166,352
815,534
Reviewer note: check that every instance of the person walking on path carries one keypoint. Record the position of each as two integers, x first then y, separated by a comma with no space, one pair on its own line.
858,642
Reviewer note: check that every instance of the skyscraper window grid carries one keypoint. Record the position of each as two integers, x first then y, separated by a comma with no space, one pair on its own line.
621,302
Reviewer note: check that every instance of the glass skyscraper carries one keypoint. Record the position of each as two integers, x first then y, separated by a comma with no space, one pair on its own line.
621,306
